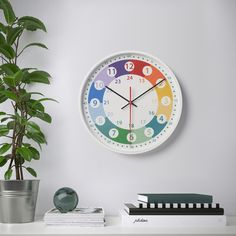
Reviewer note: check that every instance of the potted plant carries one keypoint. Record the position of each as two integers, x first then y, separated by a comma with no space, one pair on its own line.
20,136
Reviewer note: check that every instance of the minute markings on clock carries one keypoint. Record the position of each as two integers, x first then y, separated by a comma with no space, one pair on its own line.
145,140
143,93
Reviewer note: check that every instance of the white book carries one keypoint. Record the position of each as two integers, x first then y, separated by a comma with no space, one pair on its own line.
172,220
79,215
82,224
74,220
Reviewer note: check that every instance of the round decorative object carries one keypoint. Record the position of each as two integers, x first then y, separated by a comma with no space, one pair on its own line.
65,199
131,102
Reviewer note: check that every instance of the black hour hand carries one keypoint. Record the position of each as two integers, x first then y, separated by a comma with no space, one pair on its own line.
127,100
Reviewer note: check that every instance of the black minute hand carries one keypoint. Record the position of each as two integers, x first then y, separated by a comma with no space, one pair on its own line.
121,96
143,93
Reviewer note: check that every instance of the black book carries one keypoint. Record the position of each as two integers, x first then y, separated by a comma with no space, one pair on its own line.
174,209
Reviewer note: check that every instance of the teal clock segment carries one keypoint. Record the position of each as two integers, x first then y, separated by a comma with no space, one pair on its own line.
131,102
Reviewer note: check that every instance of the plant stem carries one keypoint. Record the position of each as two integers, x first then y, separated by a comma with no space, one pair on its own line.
7,136
21,172
19,144
14,145
15,138
17,171
17,44
13,154
3,59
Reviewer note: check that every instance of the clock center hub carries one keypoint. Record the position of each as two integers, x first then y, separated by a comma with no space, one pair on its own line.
146,106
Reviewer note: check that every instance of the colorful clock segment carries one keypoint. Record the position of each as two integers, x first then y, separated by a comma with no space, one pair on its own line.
131,102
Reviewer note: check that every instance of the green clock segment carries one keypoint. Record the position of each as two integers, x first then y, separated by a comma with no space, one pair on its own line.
131,102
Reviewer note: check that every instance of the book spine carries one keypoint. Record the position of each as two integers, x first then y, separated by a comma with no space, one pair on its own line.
187,211
174,209
177,199
168,220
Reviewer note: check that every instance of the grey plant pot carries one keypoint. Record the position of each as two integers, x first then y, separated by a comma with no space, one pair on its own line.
18,200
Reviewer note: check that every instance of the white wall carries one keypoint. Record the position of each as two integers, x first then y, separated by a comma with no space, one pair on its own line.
196,39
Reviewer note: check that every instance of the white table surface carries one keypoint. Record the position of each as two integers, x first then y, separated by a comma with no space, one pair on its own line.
114,227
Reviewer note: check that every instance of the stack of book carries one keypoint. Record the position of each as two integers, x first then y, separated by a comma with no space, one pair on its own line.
87,217
177,209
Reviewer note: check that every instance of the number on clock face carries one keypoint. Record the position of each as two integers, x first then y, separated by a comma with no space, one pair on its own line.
131,102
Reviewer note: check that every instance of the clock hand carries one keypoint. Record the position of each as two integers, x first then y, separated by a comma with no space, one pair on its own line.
130,110
121,96
143,93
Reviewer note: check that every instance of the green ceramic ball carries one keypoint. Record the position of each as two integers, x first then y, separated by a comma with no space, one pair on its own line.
65,199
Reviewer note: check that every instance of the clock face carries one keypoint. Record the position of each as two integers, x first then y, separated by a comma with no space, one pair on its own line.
131,102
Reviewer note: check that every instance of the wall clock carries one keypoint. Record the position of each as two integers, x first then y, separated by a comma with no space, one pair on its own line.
131,102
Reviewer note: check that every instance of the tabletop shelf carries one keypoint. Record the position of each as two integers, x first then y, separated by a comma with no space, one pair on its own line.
114,227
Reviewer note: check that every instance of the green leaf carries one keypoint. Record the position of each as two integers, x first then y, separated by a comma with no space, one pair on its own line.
25,76
7,51
13,80
31,171
21,120
8,11
5,119
9,68
5,147
26,144
11,125
3,130
37,137
18,76
44,116
2,39
39,107
3,98
9,81
8,174
3,161
13,33
25,153
20,160
14,125
2,113
24,96
39,77
32,127
31,23
9,95
3,28
36,93
35,152
2,87
35,44
43,73
34,107
46,99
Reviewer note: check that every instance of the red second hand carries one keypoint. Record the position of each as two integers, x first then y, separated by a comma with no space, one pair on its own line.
130,111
